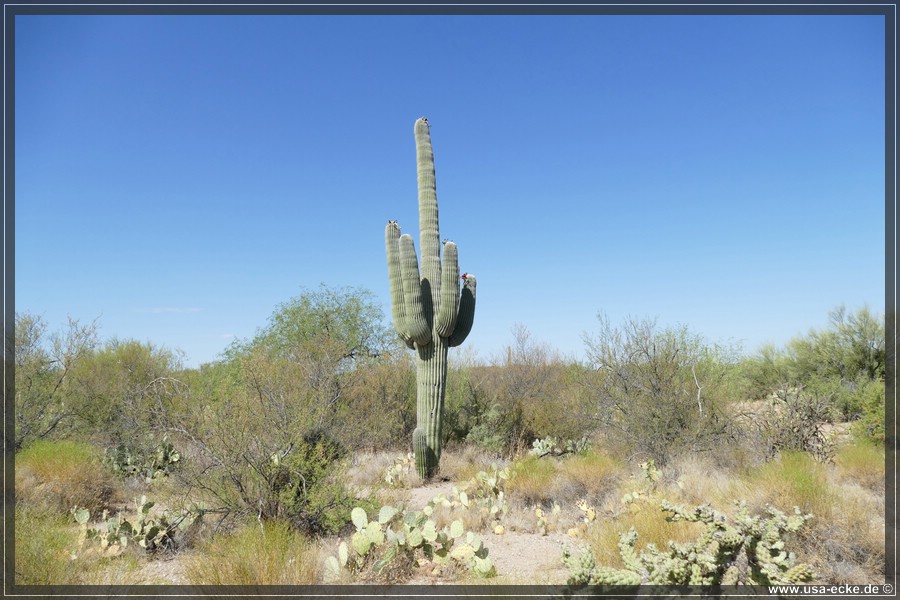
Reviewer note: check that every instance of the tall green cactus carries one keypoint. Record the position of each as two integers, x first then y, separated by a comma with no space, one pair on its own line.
428,310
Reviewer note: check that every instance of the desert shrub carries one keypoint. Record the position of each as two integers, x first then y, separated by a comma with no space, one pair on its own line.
494,429
794,424
61,474
309,488
386,386
273,553
261,433
659,393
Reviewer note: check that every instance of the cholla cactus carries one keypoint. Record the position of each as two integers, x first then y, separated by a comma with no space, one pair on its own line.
428,309
748,552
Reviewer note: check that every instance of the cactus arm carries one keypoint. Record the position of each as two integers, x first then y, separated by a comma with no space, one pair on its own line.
429,235
417,324
398,313
446,321
466,316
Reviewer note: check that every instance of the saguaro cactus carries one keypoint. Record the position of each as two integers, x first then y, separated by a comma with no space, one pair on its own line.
428,309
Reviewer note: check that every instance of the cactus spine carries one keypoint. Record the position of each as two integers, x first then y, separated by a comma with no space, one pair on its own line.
428,310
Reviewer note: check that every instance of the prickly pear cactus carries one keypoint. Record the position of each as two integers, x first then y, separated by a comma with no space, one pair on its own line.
428,309
396,535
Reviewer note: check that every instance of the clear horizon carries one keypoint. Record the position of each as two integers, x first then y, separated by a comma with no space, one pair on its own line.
179,177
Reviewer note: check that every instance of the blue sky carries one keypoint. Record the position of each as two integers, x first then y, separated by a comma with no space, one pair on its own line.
180,176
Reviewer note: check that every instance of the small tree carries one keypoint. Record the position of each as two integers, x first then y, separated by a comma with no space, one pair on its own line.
260,429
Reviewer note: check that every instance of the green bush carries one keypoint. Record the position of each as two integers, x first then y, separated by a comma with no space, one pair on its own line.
870,398
308,488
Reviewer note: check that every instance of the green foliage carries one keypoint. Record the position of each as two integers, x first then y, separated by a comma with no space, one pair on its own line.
307,491
336,327
870,398
493,429
660,393
749,550
395,535
123,394
385,386
851,348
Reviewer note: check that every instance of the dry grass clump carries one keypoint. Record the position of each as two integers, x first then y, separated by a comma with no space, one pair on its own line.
850,547
368,470
270,554
531,480
590,475
793,479
44,540
698,479
844,541
63,474
863,463
464,462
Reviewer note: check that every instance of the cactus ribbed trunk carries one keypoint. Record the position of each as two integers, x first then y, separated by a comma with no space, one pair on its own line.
431,378
427,309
